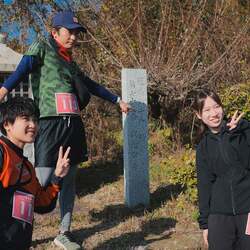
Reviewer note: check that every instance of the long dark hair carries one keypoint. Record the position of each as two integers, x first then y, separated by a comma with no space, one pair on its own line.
199,104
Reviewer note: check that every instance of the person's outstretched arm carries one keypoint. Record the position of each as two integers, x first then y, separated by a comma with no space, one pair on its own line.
25,66
100,91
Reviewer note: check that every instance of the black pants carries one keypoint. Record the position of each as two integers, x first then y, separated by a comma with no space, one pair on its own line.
60,131
227,232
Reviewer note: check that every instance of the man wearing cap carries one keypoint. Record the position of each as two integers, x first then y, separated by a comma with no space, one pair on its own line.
60,90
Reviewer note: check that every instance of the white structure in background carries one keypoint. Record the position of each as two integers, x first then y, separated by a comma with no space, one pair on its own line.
8,57
9,60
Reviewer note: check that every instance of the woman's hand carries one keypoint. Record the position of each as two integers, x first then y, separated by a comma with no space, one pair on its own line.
62,165
205,237
235,120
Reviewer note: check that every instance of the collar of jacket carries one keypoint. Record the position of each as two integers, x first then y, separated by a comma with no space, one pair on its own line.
18,150
223,129
62,51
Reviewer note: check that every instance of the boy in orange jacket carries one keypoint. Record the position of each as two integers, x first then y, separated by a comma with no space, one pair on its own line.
20,192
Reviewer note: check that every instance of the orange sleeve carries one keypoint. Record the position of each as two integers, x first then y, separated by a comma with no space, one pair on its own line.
45,197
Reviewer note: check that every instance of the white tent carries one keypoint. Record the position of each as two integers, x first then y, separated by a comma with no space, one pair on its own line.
9,59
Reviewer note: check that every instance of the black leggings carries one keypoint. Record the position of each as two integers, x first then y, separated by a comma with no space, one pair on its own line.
227,232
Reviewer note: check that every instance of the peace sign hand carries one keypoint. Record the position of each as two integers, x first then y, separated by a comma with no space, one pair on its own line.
235,120
62,165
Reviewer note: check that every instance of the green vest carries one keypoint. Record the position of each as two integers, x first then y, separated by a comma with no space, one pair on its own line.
52,75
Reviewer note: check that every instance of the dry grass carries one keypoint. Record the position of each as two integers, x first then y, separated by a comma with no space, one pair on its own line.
101,221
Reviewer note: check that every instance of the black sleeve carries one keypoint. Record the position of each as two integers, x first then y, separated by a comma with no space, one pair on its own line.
245,126
205,179
56,180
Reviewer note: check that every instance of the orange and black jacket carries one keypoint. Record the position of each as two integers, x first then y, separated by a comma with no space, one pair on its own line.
18,174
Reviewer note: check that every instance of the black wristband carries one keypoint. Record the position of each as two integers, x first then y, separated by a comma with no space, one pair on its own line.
56,180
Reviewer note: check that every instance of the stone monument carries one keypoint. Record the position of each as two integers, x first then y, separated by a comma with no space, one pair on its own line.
135,134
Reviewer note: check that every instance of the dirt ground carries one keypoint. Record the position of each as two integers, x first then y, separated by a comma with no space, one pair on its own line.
101,221
96,237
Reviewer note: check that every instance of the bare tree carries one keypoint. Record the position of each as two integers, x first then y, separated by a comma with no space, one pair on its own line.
183,44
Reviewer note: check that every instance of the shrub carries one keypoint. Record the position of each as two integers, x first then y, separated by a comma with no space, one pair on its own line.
236,98
160,141
178,169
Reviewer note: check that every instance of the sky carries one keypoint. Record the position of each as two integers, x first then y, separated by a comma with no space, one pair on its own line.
12,29
7,1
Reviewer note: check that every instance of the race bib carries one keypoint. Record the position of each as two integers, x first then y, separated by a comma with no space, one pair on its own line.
66,103
23,206
248,225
